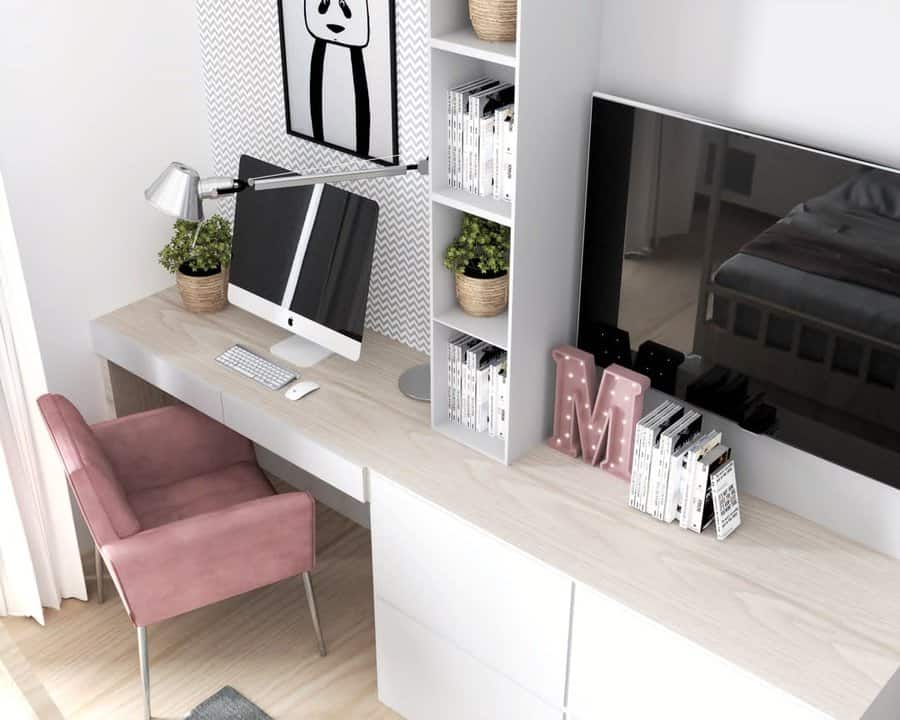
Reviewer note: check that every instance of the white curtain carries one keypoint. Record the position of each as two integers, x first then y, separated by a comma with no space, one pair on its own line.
40,563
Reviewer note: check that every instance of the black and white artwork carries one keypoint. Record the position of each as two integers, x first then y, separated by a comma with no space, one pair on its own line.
339,65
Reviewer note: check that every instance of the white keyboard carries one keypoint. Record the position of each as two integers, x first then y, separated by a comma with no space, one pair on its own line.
255,367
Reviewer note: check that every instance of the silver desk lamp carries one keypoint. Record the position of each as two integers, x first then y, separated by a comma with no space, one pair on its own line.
180,191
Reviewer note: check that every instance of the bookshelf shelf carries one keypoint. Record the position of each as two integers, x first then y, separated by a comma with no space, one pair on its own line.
493,447
466,42
497,210
492,330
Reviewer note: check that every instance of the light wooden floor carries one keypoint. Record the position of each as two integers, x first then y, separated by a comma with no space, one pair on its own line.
22,695
261,643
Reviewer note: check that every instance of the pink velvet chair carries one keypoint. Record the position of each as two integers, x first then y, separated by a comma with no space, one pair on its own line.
180,513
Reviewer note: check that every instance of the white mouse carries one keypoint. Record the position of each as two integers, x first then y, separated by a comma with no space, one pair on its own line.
301,390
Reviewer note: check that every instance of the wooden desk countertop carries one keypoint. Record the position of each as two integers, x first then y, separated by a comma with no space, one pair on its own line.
802,608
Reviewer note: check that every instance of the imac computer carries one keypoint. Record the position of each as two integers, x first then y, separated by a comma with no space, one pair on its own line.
301,259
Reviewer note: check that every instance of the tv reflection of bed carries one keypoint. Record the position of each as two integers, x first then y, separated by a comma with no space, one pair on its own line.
812,304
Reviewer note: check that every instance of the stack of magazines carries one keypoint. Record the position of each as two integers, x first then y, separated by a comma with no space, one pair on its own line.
477,385
681,473
481,138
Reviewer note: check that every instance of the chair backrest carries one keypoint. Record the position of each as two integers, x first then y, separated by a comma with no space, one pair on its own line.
98,491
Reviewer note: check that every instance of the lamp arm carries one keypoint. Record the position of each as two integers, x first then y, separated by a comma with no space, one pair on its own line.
213,187
274,182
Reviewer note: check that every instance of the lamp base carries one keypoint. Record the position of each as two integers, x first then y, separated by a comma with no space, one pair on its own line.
415,383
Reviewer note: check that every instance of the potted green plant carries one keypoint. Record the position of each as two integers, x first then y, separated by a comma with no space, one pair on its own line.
479,257
199,256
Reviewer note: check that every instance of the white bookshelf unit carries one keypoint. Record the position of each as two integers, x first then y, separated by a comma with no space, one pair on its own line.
551,64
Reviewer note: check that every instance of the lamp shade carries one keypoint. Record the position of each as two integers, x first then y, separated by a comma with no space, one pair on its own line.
177,192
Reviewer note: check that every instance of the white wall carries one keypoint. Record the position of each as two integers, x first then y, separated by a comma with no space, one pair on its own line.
819,71
97,97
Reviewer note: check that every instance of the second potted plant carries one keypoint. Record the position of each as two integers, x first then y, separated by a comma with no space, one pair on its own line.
479,257
199,259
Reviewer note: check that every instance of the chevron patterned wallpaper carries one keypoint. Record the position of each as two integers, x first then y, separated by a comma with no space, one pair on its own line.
242,68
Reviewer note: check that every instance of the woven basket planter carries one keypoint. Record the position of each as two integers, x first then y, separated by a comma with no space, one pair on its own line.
482,297
494,20
202,294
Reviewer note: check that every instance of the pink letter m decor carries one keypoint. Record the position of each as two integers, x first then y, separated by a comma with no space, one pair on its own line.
605,430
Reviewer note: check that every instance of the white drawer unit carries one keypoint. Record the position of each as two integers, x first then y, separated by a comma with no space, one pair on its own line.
425,677
272,433
624,665
507,610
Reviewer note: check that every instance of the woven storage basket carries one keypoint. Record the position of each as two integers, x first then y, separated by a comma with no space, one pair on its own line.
203,294
480,297
494,20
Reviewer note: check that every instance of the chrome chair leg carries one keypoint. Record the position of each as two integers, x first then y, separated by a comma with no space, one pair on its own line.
98,573
311,599
145,668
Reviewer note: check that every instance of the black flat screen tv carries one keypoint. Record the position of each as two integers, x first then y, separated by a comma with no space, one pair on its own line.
751,276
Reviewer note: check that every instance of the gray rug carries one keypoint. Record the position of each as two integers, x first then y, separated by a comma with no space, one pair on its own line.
227,704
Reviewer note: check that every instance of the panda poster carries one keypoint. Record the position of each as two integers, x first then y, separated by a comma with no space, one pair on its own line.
339,65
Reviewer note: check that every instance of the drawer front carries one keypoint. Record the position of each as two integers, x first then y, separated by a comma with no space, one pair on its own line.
507,610
625,665
125,353
283,440
424,677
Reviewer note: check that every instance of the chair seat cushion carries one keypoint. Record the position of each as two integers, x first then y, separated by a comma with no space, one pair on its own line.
238,483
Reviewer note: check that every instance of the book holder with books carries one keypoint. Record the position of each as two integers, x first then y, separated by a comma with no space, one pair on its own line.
679,472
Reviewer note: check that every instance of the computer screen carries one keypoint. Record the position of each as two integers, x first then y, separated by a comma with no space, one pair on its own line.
302,257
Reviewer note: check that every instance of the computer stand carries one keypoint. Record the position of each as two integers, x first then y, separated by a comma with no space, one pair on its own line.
300,351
